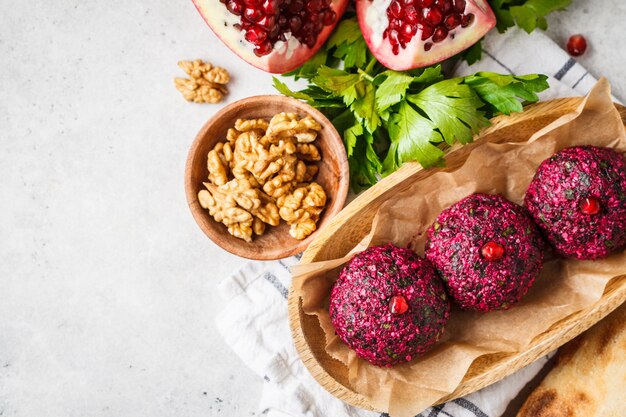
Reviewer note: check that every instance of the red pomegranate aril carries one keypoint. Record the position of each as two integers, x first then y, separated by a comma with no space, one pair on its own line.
295,24
492,251
270,7
395,9
410,14
267,22
398,305
427,31
393,37
467,20
253,15
590,206
427,46
459,5
576,45
235,7
452,21
296,6
273,33
440,34
256,35
444,5
408,31
252,3
282,21
314,6
426,3
263,49
309,41
434,16
329,18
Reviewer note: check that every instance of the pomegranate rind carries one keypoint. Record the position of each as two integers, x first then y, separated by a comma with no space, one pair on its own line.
414,55
285,59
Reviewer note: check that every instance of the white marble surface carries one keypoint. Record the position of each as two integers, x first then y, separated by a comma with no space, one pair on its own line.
107,286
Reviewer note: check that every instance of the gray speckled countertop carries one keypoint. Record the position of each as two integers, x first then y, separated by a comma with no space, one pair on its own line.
107,286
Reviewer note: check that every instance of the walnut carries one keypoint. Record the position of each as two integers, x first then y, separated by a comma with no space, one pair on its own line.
308,152
206,83
258,175
301,209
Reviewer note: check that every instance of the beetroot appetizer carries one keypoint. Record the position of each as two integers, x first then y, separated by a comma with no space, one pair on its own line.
578,199
487,250
389,305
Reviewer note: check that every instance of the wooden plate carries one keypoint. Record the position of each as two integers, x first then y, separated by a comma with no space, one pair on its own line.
333,175
353,223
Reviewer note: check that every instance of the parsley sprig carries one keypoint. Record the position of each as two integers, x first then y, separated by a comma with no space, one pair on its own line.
388,117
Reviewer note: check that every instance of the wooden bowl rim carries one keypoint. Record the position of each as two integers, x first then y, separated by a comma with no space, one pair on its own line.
235,245
551,339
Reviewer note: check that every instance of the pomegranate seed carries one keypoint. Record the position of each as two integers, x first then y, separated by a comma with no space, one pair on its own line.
395,9
408,31
398,305
263,49
317,28
282,21
410,14
253,2
576,45
326,3
295,24
426,3
253,15
440,34
273,33
427,46
459,5
590,206
309,41
492,251
329,18
314,6
434,16
235,7
427,31
452,21
444,5
256,35
393,37
467,20
267,22
270,6
296,6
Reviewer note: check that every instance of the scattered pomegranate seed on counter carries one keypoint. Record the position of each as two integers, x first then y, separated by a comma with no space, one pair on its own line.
576,45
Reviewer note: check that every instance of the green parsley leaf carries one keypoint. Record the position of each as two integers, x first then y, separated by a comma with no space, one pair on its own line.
505,93
412,137
473,54
452,107
364,107
392,90
349,44
528,15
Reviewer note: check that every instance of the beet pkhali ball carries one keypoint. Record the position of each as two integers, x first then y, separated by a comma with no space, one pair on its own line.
389,305
487,250
578,199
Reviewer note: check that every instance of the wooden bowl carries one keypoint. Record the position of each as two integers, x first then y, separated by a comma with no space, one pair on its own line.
353,223
333,176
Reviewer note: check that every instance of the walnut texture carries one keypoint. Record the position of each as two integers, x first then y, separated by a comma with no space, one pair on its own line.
206,83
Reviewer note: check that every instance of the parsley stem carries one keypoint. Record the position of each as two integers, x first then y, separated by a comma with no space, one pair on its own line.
370,65
365,75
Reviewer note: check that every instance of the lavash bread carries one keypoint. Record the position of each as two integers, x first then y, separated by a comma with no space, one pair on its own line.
589,378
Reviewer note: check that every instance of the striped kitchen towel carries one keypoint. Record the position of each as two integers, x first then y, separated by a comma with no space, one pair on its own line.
255,320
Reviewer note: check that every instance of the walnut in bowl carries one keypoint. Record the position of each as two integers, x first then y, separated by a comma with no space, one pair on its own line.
263,174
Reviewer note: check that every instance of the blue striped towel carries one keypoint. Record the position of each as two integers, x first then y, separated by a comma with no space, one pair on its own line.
255,321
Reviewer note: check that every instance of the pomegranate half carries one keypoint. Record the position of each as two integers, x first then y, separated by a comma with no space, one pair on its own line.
405,34
273,35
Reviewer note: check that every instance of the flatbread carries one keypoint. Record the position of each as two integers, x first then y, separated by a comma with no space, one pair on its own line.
589,378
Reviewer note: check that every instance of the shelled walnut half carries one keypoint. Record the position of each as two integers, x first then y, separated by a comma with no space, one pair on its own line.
206,83
262,172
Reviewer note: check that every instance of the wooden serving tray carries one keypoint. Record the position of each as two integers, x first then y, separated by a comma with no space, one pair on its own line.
346,229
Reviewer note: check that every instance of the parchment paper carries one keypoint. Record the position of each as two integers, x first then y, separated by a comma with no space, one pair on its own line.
563,287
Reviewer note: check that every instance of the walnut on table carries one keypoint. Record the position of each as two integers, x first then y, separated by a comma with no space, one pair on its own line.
206,83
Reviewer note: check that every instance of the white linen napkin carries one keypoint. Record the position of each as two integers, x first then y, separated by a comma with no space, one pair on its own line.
255,321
